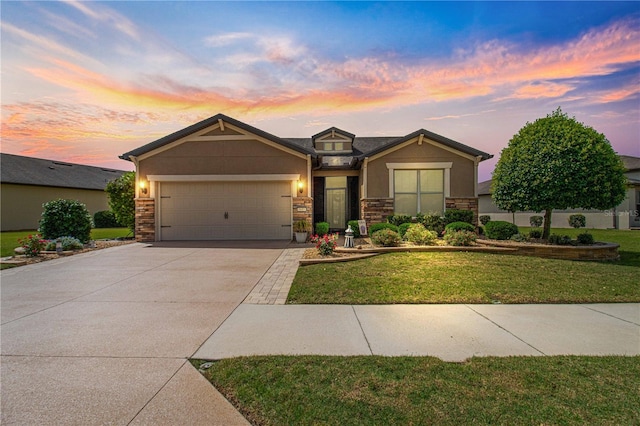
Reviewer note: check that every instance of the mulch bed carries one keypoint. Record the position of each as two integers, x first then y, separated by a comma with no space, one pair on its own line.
43,257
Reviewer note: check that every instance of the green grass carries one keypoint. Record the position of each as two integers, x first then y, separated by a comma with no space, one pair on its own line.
9,240
459,277
304,390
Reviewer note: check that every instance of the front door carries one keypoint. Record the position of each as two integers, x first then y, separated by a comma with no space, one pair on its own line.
336,202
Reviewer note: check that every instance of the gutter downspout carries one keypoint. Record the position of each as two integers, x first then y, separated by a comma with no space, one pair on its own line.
309,178
365,177
475,171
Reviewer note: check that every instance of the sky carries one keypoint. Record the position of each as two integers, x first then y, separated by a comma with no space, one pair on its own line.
85,82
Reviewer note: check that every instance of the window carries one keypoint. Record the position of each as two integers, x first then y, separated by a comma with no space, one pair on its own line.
333,146
418,191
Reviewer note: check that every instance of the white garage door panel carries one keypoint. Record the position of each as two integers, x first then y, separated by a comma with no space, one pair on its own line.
196,210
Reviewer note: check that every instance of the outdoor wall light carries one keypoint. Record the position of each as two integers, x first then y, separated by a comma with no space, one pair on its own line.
143,187
300,186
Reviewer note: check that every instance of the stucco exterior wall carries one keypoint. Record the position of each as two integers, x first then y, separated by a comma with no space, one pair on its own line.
235,157
22,204
462,171
596,219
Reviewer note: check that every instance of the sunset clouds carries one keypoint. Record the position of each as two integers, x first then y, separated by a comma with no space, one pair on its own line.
95,80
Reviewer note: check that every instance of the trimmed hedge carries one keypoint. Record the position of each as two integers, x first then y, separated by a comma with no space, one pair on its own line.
322,228
106,219
456,215
65,218
354,227
500,230
385,237
378,226
459,226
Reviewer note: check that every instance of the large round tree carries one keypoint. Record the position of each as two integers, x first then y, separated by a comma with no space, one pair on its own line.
558,163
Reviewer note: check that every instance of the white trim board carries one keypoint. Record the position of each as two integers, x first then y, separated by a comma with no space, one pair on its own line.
222,178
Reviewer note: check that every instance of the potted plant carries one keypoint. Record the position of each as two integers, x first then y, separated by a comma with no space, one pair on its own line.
301,228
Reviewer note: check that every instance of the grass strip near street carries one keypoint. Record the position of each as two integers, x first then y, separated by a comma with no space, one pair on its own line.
459,277
9,240
306,390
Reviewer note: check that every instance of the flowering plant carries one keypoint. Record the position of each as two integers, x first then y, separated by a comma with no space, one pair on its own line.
326,243
32,245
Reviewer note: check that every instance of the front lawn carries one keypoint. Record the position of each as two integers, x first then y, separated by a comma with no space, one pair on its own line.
459,277
278,390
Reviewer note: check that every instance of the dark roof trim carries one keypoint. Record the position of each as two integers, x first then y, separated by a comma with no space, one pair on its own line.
434,137
333,129
203,125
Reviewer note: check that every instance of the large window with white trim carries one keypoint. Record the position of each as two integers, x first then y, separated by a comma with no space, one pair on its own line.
418,191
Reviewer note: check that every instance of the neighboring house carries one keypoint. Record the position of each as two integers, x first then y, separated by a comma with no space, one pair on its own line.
27,183
221,179
624,216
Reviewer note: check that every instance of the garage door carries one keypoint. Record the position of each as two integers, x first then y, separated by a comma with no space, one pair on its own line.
225,210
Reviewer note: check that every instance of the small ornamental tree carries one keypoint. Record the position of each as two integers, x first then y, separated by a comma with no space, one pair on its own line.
121,193
558,163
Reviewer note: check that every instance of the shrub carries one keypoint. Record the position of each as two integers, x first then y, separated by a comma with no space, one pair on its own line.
418,234
121,193
577,221
585,238
484,219
378,226
355,227
65,218
518,238
386,238
32,245
326,243
536,221
105,219
536,233
322,228
459,226
460,238
68,243
500,230
560,240
402,229
432,222
399,219
456,215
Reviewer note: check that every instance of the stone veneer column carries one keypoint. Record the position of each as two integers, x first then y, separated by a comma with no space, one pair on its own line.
375,210
303,209
468,203
145,220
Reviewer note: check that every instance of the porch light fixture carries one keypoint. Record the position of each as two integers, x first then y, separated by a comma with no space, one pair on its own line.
143,187
300,186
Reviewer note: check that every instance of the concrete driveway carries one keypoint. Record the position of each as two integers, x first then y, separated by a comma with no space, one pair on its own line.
104,337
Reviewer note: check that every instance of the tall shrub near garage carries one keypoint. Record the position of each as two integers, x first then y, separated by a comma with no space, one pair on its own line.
121,193
65,218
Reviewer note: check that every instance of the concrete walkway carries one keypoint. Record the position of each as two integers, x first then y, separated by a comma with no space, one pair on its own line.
449,332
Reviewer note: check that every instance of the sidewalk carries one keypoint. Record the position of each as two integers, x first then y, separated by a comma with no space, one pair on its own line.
263,325
450,332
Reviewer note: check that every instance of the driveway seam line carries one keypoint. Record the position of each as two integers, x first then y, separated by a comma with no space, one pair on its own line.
608,314
353,308
158,392
502,328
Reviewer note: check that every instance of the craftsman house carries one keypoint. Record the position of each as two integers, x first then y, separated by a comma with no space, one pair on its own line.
221,179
